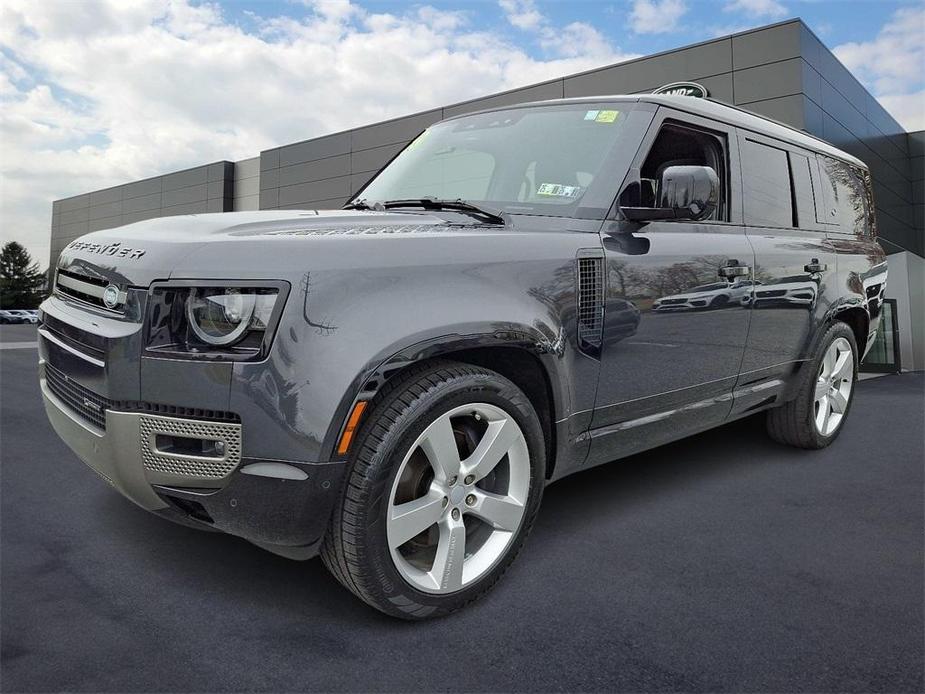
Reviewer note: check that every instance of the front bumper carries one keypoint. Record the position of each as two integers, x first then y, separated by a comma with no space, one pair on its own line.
283,506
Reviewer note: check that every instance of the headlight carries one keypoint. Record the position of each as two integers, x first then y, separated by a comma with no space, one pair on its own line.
195,319
221,316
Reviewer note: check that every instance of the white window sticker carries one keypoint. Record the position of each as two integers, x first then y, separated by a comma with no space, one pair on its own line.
558,191
591,115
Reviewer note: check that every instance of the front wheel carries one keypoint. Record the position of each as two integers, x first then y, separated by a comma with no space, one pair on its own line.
446,481
815,417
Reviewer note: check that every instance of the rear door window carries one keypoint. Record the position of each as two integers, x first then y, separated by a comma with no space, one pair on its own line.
767,186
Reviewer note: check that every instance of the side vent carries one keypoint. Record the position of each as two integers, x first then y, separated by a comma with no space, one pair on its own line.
590,303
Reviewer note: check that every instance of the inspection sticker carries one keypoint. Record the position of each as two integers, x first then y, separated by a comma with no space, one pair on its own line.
558,191
602,116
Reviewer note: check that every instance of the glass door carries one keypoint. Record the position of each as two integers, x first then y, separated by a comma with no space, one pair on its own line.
883,356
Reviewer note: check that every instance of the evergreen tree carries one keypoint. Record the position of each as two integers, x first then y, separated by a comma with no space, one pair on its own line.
21,281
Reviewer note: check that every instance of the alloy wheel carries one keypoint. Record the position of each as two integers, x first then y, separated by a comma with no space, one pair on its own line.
458,498
833,386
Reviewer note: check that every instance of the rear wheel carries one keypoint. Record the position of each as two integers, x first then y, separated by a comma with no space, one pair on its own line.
445,484
815,417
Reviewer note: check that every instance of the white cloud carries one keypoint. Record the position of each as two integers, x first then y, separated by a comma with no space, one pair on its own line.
656,16
522,13
891,65
569,41
908,109
757,8
101,92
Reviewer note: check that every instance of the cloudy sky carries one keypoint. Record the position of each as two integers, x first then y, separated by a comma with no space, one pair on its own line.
99,92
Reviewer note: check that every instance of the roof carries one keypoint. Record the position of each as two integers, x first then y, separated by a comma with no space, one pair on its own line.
707,108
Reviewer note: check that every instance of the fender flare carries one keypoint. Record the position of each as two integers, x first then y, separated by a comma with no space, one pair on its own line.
444,342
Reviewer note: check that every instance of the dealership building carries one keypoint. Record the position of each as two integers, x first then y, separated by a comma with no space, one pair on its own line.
782,71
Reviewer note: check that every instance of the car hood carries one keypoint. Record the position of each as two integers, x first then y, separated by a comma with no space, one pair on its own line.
140,253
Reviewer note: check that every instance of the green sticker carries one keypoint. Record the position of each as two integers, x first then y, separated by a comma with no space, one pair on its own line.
606,116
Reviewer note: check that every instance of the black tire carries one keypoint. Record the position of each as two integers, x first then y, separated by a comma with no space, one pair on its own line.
793,422
355,549
719,301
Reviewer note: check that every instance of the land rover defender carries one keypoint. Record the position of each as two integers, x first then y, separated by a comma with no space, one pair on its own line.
520,294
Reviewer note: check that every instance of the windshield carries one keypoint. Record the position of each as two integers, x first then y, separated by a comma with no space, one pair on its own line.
536,160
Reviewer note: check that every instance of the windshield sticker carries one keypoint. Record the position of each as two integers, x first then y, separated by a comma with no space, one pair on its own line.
558,191
602,116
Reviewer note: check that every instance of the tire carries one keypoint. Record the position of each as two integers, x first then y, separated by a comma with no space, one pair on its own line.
808,421
719,301
431,404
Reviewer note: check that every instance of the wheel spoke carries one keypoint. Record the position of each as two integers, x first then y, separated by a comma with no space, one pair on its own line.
497,441
822,387
843,366
822,414
828,361
451,552
839,401
439,445
414,517
502,512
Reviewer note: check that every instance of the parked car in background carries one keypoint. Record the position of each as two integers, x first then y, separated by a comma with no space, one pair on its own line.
27,316
9,317
393,384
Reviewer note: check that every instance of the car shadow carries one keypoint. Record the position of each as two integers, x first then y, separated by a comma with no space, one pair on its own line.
237,571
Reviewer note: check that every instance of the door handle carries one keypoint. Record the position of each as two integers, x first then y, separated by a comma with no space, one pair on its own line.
733,268
814,266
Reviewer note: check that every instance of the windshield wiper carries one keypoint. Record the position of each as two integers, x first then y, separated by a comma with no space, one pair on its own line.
488,214
360,204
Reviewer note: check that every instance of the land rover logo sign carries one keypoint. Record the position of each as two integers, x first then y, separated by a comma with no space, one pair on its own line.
684,89
111,296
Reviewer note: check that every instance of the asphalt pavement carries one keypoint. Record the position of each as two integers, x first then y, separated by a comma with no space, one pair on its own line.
724,562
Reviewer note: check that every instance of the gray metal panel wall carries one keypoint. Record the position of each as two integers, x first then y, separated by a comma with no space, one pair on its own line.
916,142
246,185
840,110
208,188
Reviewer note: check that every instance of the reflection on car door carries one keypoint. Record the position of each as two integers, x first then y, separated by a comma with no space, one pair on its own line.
677,303
793,262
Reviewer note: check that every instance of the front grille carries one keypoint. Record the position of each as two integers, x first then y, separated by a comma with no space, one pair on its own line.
84,288
190,465
770,293
590,301
670,302
90,406
176,411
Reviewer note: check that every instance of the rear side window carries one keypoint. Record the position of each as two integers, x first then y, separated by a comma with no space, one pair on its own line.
766,183
846,197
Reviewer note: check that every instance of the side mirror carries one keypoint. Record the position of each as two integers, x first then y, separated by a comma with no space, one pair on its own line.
685,192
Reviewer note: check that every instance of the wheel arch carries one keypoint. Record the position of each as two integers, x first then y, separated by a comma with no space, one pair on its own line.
858,320
526,358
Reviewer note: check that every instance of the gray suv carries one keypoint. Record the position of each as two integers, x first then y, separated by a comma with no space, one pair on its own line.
520,294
